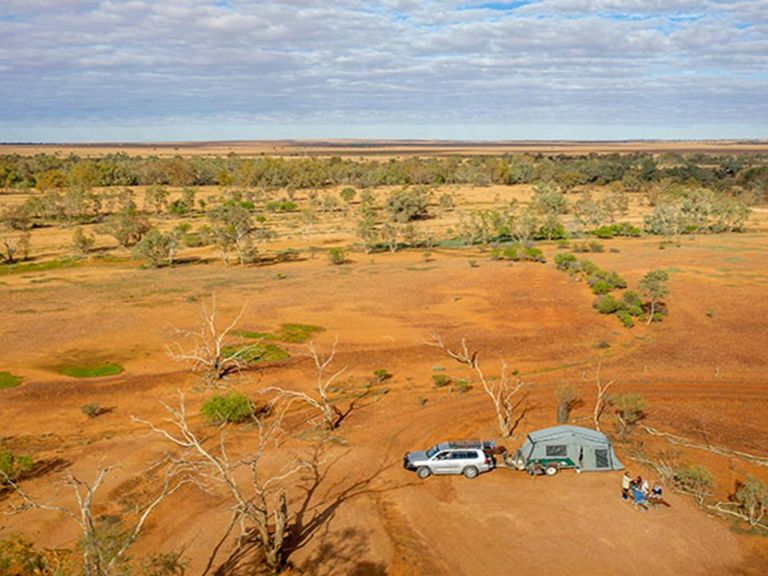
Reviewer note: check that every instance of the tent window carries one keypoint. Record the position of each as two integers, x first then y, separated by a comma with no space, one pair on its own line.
557,450
601,458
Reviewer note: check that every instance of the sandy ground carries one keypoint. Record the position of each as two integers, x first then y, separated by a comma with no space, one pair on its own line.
363,148
702,370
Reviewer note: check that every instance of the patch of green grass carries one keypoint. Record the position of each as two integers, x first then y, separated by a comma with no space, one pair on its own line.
8,380
288,333
27,267
91,371
254,335
255,353
296,333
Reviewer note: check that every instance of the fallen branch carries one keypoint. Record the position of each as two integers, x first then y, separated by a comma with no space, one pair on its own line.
721,508
721,450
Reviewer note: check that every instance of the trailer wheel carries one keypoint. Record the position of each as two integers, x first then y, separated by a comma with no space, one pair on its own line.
423,472
551,470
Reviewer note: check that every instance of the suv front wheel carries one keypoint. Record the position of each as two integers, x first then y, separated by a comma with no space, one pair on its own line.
470,472
423,472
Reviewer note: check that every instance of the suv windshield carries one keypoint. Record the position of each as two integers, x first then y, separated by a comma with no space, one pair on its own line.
432,451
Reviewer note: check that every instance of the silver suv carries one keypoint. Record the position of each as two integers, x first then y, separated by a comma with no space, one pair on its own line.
467,457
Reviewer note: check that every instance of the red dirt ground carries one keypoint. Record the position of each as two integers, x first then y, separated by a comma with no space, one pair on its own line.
702,370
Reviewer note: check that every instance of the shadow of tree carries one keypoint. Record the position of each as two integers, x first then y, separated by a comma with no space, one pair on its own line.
342,553
315,512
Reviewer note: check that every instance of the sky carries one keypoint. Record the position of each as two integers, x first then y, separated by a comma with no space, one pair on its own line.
175,70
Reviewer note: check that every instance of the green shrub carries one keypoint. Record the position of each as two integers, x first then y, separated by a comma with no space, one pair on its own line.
619,229
92,410
614,280
565,262
631,298
441,380
337,256
8,380
534,254
460,385
596,247
606,304
511,253
381,375
695,479
232,408
598,285
13,467
281,206
626,318
407,204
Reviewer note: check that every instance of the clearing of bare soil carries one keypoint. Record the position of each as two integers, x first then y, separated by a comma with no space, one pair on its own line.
384,148
702,371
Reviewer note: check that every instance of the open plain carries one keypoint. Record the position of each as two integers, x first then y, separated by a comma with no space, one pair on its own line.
702,372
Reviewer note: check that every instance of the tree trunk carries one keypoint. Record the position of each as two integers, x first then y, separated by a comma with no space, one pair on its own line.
653,311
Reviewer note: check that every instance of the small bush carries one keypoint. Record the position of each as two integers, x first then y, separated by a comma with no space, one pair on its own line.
92,410
381,375
12,467
281,206
565,262
534,254
8,380
606,304
620,229
232,408
337,256
596,247
695,479
441,380
626,318
598,285
460,385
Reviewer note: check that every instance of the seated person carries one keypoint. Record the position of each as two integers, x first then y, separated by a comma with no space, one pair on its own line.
639,499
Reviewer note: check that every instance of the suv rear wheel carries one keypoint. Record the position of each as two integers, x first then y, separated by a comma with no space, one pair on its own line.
470,472
551,470
423,472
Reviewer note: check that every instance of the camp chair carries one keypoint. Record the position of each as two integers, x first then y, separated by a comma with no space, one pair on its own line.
639,500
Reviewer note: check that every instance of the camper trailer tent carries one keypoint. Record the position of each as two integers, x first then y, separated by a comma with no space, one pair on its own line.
567,447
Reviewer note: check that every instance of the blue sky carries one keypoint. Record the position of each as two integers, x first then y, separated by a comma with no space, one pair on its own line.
135,70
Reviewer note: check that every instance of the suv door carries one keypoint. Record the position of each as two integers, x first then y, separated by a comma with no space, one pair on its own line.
442,462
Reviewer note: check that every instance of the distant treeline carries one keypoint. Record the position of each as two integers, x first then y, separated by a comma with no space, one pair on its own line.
633,171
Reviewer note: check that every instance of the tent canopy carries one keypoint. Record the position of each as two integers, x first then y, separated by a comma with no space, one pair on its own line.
571,446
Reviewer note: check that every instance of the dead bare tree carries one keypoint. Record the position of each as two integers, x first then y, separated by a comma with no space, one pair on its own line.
207,352
501,391
600,399
259,505
323,402
103,553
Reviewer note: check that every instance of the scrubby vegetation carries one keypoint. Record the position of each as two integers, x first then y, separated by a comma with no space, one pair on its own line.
230,408
8,380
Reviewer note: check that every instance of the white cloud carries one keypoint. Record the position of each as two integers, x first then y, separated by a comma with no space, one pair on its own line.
401,62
